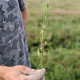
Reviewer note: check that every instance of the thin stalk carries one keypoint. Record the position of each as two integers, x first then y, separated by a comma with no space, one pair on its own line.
42,45
40,51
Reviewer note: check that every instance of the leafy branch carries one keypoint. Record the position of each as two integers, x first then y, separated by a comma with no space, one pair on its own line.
40,51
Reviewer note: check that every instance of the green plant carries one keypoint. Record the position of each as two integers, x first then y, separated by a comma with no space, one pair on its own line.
41,51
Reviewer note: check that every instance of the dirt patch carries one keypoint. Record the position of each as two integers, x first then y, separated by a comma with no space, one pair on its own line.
65,12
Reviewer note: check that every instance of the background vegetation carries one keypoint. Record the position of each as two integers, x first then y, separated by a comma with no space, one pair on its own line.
62,60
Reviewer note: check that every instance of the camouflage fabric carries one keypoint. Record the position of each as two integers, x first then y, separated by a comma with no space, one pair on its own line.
13,44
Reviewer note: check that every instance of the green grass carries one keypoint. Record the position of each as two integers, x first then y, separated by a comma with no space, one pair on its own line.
63,38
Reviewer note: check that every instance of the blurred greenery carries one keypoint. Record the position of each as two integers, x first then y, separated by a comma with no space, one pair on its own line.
62,61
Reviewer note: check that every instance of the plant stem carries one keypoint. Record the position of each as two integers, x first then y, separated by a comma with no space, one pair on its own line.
45,17
40,51
42,45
